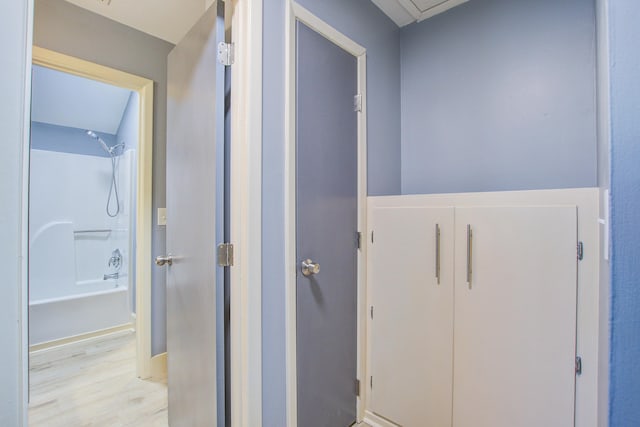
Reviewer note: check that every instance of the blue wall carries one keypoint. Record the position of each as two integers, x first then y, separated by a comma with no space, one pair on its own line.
273,273
68,140
624,392
362,21
128,134
128,129
500,95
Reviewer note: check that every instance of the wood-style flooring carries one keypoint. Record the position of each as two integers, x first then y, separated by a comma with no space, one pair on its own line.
93,383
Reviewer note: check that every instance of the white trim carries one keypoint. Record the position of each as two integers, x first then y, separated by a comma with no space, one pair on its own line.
295,13
420,15
411,8
81,337
246,213
310,20
443,7
362,227
23,391
291,385
375,420
144,182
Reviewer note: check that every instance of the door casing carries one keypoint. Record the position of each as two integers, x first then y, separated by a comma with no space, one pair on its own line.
146,365
296,13
245,20
246,177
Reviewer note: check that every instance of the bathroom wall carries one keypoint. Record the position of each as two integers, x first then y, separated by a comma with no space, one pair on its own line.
63,27
128,133
500,95
128,130
68,195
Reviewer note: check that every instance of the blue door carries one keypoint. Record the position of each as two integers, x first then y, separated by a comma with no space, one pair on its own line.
326,226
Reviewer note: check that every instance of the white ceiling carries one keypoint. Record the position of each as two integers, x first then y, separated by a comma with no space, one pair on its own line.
66,100
405,12
169,20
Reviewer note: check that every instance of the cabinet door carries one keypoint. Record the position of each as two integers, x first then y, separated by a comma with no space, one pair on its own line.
515,320
412,325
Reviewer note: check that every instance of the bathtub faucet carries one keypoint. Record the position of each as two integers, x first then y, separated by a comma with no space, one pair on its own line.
116,259
111,276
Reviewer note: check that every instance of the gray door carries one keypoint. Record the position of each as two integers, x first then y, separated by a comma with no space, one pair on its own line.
326,215
191,227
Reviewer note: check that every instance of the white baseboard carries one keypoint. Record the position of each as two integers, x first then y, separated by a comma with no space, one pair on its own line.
377,421
127,327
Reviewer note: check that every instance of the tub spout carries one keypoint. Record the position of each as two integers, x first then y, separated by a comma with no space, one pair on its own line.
111,276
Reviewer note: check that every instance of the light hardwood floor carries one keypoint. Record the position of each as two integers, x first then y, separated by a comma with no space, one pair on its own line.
93,383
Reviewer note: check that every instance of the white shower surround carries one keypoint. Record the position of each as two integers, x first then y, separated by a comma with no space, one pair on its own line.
71,241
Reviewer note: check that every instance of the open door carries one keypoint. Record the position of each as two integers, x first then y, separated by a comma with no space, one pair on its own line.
191,226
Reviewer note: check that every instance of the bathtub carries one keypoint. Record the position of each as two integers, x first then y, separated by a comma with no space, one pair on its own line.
68,293
57,318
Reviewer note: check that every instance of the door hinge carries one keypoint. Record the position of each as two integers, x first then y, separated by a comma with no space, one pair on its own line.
358,239
357,103
225,254
371,382
371,236
226,53
357,387
580,251
578,365
371,312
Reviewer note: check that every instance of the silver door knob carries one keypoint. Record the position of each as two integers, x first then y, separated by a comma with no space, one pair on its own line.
164,259
309,267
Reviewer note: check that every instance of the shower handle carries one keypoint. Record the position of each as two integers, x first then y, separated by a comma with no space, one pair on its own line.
164,259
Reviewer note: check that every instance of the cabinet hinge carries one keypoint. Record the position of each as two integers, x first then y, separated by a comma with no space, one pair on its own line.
578,365
371,312
372,236
226,53
357,387
357,103
580,251
225,254
358,239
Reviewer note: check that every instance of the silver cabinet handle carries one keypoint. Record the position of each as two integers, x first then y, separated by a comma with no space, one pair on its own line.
164,259
469,254
438,252
309,268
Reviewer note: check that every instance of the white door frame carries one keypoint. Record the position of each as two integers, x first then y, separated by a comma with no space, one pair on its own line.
246,212
144,219
295,13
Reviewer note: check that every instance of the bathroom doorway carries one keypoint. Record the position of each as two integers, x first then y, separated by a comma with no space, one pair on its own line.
89,243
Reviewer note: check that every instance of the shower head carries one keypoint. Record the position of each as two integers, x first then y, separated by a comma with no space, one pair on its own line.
104,145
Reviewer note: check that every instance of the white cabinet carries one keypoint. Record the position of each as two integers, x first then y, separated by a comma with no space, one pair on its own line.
412,344
494,343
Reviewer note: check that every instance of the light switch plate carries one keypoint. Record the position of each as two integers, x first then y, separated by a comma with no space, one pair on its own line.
162,216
